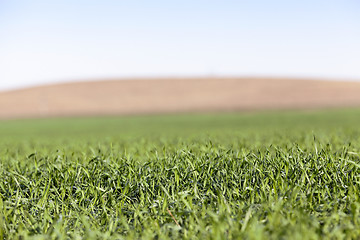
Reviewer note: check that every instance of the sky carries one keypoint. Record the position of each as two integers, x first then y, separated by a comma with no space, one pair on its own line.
64,40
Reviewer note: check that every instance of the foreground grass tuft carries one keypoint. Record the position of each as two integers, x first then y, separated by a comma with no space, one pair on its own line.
254,176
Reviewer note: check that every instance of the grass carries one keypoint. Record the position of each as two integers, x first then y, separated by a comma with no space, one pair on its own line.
275,175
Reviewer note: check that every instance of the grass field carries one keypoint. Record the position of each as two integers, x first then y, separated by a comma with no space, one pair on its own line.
270,175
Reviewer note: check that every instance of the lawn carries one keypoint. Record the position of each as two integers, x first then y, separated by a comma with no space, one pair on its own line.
255,175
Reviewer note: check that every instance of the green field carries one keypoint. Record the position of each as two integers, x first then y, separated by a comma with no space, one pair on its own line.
271,175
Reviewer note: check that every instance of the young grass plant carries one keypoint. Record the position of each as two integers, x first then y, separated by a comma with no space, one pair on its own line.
215,177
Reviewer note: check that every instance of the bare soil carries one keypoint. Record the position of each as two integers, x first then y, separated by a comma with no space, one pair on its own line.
149,96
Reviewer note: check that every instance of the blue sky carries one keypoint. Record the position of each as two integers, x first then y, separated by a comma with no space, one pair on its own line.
51,41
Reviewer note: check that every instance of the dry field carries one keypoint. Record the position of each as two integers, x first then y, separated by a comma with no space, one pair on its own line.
146,96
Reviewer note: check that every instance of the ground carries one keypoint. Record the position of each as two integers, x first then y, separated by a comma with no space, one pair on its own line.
144,96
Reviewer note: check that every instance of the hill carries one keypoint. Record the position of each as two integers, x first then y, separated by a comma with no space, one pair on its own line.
148,96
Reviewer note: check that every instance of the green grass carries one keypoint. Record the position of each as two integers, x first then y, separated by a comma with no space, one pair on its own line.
274,175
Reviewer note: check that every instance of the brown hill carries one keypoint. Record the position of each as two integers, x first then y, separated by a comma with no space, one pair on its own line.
143,96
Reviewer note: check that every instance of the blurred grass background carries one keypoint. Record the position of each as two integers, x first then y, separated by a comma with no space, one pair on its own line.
252,129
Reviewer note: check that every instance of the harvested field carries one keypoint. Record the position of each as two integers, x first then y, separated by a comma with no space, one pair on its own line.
147,96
